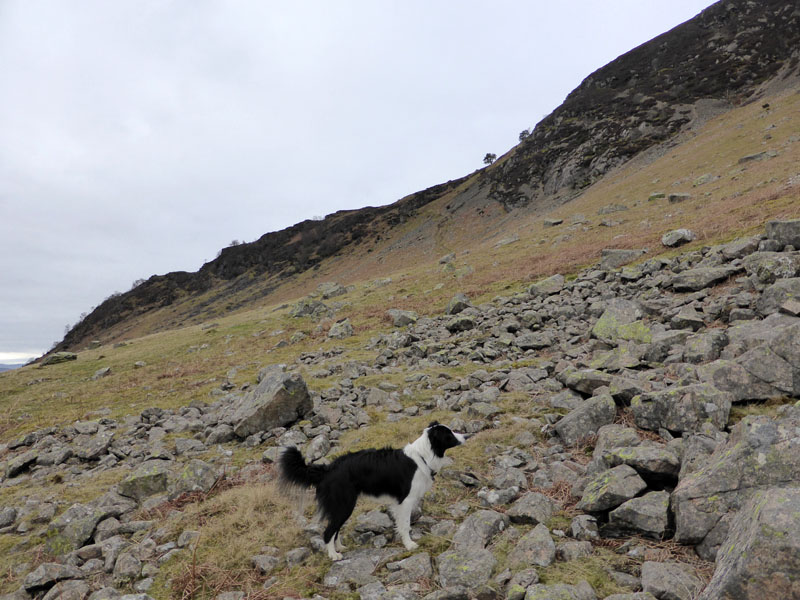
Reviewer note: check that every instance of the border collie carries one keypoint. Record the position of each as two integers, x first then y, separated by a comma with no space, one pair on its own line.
397,477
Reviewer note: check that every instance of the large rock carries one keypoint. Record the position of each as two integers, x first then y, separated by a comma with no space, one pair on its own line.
401,318
700,278
47,574
650,460
677,237
777,294
613,258
786,233
682,408
760,453
585,420
560,591
58,357
195,476
465,568
151,477
278,400
92,447
648,515
532,508
611,488
457,303
760,558
768,267
75,526
548,286
341,329
670,580
729,376
621,320
535,548
478,529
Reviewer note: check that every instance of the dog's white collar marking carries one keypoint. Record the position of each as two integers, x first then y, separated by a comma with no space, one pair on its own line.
420,452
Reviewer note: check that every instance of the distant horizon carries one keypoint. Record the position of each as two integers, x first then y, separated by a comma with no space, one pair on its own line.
18,358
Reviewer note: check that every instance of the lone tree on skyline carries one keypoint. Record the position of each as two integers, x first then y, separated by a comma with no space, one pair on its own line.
489,158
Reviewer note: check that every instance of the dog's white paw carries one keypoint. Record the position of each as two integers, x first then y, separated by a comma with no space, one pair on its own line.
411,545
334,556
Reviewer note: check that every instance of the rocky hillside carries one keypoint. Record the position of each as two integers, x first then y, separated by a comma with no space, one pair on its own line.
643,99
635,437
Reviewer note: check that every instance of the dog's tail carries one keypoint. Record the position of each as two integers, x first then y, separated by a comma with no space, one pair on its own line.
295,472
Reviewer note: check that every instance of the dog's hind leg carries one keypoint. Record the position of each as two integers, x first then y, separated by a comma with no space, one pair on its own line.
336,519
340,547
402,521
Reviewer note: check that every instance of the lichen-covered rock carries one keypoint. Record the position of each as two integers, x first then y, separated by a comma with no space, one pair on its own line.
535,548
58,357
278,400
341,329
585,381
356,569
548,286
786,233
20,463
75,526
47,574
776,294
682,408
677,237
613,258
92,447
621,320
731,377
670,580
151,477
469,568
693,280
760,453
401,318
532,508
478,529
768,267
648,515
413,568
561,591
760,558
71,589
460,323
585,420
457,303
649,460
195,476
611,488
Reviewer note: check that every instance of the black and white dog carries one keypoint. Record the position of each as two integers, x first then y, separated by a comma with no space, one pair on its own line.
398,477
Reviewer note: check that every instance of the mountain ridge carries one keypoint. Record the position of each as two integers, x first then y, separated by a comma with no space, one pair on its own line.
644,98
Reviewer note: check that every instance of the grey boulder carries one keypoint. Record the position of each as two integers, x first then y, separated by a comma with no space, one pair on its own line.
278,400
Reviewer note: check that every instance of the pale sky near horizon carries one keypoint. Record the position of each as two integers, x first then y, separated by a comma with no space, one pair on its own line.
141,137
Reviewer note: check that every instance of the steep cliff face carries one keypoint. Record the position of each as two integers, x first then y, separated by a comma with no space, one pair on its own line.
643,98
647,95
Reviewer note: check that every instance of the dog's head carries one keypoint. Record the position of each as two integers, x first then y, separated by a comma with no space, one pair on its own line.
442,437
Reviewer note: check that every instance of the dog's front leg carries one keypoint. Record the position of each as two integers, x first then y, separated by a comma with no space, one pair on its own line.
340,547
402,522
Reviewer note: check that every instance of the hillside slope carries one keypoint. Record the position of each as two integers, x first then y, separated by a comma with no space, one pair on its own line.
639,102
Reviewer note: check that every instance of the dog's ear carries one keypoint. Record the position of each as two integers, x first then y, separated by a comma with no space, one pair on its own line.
433,423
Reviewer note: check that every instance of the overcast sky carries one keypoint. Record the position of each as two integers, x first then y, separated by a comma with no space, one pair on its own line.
139,137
